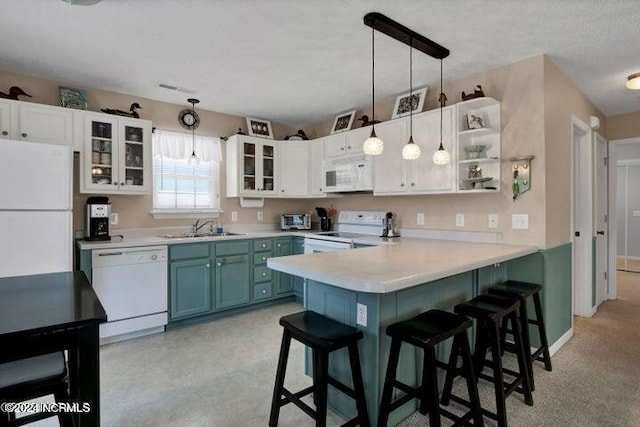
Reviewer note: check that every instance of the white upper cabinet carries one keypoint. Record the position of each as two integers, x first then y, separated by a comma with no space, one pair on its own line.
252,167
316,155
117,155
335,145
479,129
294,168
345,143
389,167
28,121
355,140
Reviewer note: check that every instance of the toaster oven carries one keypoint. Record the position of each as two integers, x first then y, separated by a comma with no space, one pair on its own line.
295,221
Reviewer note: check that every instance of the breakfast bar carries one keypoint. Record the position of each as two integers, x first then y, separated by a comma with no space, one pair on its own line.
373,287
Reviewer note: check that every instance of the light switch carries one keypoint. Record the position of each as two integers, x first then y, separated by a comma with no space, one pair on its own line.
420,219
260,215
520,221
460,220
113,220
234,215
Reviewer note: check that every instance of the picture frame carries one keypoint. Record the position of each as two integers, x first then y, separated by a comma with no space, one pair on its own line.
259,127
410,101
343,122
73,98
475,120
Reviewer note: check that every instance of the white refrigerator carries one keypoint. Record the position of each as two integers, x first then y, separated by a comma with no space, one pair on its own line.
36,184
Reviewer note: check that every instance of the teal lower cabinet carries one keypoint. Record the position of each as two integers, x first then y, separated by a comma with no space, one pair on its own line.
190,288
283,282
232,282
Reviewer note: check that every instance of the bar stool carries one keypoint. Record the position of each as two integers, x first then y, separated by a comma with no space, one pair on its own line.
425,331
322,335
490,310
522,291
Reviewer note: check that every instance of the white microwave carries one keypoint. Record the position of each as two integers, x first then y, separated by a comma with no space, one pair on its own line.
347,174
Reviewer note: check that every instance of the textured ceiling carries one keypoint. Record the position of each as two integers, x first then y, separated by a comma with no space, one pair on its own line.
302,61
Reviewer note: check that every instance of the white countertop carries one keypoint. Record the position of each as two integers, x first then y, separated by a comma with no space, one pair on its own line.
405,263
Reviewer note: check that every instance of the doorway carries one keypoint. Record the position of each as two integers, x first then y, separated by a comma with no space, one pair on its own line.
628,207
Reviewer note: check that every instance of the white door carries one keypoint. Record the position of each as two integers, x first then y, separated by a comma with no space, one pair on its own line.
389,167
40,123
335,145
294,171
582,219
601,207
355,140
316,157
427,176
5,117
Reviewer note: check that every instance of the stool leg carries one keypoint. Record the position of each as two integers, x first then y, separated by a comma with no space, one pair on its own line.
452,371
429,401
498,376
387,391
315,374
358,386
470,376
482,343
321,387
277,389
526,342
523,359
542,331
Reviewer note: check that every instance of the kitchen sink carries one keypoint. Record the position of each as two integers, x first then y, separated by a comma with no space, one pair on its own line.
191,235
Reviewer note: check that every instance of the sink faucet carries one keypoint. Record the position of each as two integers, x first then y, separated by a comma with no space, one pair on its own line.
197,226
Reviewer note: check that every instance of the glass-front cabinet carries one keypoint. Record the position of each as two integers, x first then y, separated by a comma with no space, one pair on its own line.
252,166
117,155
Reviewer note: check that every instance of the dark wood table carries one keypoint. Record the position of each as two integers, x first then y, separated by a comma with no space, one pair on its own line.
44,313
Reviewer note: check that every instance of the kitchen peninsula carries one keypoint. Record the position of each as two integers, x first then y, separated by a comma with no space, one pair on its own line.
373,287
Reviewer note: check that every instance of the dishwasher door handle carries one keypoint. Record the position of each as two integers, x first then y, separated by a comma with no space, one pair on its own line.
110,253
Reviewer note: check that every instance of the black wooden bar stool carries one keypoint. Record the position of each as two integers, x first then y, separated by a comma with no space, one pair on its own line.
425,331
490,310
522,291
322,335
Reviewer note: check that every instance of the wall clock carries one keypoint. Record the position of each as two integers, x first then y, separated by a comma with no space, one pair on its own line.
188,117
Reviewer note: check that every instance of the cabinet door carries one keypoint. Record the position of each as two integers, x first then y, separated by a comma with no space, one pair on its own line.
424,175
268,168
389,167
335,145
232,280
43,123
283,282
101,153
356,138
316,157
134,155
5,119
294,170
190,288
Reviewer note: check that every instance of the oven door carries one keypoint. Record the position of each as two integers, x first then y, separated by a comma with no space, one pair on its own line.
312,245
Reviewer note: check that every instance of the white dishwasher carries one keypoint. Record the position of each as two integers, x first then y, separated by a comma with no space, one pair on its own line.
131,284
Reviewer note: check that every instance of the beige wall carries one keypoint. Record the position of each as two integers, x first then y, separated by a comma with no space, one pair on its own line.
623,126
562,99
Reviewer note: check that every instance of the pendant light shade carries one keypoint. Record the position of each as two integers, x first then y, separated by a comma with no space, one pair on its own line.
193,160
411,151
373,145
633,81
441,157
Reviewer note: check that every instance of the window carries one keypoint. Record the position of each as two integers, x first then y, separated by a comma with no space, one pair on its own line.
181,189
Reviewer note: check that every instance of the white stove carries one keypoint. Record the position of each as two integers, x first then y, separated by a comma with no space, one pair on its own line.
351,225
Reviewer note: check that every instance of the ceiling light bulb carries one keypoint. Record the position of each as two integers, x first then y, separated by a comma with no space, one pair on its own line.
82,2
411,150
193,160
441,157
633,81
373,145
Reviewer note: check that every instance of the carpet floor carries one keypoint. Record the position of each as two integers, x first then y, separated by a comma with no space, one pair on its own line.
221,374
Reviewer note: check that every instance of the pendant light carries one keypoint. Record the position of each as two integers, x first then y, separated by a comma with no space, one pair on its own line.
441,157
373,145
193,160
411,150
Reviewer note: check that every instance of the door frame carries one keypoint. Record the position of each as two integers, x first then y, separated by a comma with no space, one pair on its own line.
582,217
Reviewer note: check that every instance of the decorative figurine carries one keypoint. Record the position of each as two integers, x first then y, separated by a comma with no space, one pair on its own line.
477,93
14,93
366,122
442,99
131,113
298,136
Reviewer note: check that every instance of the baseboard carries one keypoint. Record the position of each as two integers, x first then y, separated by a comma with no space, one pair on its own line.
560,342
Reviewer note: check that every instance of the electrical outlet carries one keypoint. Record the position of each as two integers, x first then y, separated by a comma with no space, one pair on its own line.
260,215
520,221
113,220
493,220
361,310
420,219
459,220
234,215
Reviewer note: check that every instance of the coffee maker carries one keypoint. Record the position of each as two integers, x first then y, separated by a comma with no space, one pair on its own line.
97,213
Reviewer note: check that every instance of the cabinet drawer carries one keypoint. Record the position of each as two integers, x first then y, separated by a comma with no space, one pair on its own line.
262,245
232,248
262,291
261,257
261,273
188,251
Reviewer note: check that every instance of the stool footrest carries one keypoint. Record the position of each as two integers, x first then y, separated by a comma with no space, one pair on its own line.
466,403
343,388
295,399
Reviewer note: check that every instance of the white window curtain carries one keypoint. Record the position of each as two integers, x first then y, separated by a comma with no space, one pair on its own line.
181,189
